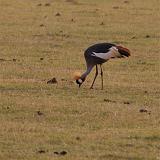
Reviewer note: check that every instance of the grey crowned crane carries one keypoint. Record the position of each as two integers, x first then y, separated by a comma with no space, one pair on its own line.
98,54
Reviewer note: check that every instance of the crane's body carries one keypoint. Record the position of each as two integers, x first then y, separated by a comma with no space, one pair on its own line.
98,54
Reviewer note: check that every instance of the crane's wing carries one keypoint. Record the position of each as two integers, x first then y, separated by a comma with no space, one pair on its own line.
111,53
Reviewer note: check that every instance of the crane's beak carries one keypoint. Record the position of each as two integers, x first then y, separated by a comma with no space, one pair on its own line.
80,85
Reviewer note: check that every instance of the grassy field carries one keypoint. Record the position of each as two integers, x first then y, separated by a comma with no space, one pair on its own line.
42,39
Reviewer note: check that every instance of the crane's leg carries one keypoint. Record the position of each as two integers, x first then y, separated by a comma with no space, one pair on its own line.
101,75
94,77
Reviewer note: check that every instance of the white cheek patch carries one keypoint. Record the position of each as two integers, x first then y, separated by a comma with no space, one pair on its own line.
80,81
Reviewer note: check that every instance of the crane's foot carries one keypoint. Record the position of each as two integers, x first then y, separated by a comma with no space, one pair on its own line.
91,87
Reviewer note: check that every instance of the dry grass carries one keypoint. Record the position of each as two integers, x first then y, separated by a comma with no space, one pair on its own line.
44,39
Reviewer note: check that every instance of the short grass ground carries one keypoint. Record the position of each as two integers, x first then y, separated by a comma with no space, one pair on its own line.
42,39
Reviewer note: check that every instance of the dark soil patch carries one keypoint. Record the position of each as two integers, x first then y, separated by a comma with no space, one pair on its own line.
109,101
52,81
62,153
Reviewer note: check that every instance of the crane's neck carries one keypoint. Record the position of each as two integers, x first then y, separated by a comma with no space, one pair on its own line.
89,68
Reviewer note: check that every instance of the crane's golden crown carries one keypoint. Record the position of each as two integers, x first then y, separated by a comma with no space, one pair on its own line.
76,75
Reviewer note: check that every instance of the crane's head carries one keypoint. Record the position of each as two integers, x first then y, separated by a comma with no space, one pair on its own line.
123,51
80,81
77,77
